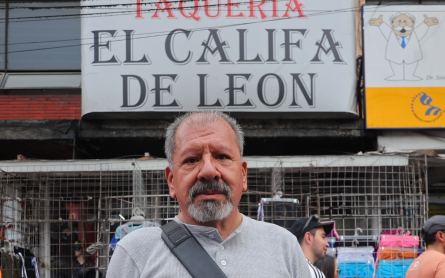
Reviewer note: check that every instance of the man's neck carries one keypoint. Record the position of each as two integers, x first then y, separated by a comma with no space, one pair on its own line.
308,254
225,227
436,247
81,259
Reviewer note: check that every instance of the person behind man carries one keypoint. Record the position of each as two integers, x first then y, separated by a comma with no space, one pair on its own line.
207,176
80,264
329,266
431,264
311,235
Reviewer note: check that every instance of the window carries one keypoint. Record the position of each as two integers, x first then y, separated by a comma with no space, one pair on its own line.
43,37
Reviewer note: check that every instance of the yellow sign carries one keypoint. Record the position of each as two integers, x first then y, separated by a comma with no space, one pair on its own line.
405,107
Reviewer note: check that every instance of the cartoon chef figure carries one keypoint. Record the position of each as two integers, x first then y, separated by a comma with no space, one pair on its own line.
403,49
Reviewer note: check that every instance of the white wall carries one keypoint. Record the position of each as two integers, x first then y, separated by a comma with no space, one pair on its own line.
410,141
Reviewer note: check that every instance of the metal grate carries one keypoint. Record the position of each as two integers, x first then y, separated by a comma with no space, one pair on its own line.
46,208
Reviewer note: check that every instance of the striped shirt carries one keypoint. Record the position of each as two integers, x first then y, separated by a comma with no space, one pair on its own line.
315,272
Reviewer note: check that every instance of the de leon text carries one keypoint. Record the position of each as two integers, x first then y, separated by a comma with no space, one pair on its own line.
325,50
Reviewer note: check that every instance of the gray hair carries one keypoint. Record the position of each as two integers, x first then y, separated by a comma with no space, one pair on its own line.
397,14
200,118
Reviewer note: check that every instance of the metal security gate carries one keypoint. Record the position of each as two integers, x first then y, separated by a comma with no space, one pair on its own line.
47,206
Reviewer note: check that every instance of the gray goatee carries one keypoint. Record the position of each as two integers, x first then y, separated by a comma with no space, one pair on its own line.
210,210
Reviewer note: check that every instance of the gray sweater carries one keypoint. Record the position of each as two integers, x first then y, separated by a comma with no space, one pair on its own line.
254,249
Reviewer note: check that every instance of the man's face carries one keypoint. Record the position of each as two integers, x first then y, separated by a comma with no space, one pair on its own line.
78,252
319,244
402,25
206,154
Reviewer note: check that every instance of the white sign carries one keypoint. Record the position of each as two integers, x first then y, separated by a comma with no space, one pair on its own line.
403,45
404,66
250,56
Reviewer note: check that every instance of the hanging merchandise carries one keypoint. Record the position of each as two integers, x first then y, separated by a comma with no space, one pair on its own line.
279,211
393,253
137,222
129,227
362,269
73,211
333,234
27,256
396,247
36,267
392,232
332,252
11,211
11,266
260,211
393,268
357,240
361,253
388,254
23,269
357,260
399,240
331,241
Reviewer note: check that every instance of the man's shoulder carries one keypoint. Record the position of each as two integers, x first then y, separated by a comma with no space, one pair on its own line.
142,237
268,230
269,227
432,255
315,272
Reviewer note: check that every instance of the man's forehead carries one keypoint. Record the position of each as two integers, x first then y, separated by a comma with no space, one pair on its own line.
188,124
188,130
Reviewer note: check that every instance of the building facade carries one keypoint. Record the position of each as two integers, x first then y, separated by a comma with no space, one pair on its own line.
78,176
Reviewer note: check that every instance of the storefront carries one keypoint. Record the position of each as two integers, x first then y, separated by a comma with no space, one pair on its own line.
47,206
78,103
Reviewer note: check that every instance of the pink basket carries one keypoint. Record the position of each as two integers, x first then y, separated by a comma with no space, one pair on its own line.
403,241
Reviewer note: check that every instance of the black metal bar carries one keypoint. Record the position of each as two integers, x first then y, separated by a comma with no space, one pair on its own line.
6,35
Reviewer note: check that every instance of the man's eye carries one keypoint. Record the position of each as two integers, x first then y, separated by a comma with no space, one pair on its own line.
191,160
221,156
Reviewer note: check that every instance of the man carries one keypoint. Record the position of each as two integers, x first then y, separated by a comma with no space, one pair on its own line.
311,235
403,49
80,264
207,176
431,264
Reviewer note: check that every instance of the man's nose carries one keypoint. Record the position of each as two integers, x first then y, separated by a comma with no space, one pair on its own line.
208,170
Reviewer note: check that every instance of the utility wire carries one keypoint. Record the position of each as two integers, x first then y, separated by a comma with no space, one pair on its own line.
167,32
141,11
322,12
156,34
121,4
19,19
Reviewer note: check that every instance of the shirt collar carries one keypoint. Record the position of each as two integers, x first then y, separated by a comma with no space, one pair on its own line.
197,229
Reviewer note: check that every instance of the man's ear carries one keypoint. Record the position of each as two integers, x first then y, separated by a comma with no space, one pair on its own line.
169,178
308,238
244,170
440,236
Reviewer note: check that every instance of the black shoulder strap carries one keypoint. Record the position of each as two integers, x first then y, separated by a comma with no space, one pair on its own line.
189,252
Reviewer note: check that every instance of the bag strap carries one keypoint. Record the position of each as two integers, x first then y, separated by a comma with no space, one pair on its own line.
189,252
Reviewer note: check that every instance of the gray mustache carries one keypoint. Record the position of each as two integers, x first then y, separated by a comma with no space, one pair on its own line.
200,187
